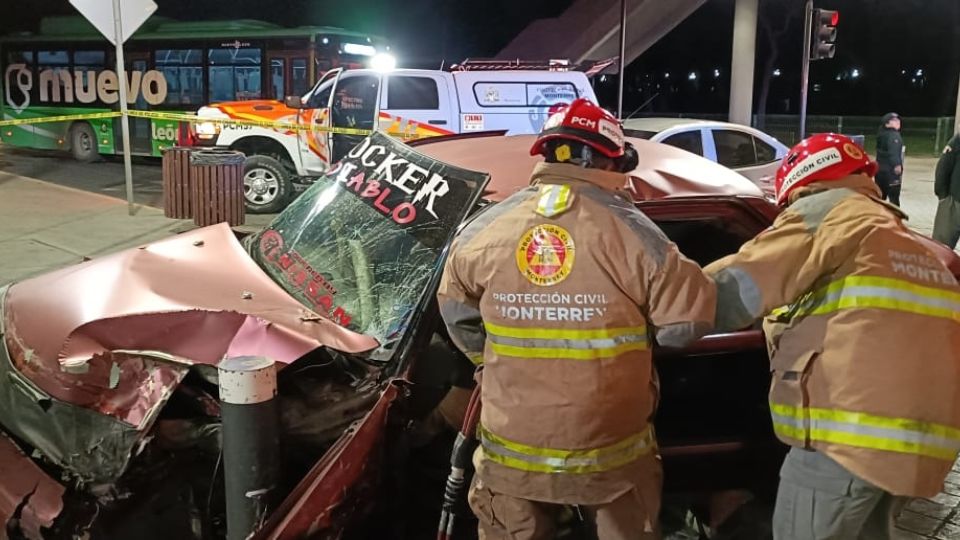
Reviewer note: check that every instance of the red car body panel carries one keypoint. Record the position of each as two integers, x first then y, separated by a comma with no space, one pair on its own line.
663,172
28,494
312,505
81,333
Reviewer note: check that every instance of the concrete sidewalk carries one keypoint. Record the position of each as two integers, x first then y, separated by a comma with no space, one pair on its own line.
916,196
44,227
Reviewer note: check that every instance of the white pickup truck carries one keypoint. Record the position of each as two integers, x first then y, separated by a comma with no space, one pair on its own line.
404,102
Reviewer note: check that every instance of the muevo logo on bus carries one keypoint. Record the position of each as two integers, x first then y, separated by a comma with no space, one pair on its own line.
58,85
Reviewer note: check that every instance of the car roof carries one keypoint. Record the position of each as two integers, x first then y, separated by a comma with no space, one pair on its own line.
657,125
664,171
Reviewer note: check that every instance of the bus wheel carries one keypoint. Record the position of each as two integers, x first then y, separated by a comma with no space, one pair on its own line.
266,185
83,143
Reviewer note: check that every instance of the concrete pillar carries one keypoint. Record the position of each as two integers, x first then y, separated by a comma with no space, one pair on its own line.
741,67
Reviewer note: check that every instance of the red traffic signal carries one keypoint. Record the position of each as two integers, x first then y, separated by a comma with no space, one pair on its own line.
824,33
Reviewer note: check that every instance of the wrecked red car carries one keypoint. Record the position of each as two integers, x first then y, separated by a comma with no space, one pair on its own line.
108,391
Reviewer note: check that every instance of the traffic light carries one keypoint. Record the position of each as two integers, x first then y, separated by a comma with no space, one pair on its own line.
824,33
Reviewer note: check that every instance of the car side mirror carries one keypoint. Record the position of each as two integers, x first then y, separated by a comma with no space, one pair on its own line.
293,102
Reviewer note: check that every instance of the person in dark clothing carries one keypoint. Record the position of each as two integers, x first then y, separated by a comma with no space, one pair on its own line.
946,224
890,158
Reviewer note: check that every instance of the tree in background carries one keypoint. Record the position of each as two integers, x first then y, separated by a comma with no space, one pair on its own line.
777,20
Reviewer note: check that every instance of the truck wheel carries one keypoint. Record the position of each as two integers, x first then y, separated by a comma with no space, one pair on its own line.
83,143
266,185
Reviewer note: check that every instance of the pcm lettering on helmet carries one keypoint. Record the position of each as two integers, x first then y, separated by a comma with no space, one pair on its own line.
545,255
611,131
585,122
811,164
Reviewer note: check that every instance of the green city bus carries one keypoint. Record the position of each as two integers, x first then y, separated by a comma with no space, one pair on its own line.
68,68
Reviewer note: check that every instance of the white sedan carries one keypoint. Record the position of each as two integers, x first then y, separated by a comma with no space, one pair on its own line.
749,151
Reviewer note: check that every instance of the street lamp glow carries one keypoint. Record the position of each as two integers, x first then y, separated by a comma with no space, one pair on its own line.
692,76
716,74
777,72
666,75
855,73
383,62
919,73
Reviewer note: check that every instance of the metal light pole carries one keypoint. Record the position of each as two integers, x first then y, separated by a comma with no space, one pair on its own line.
805,72
124,120
623,61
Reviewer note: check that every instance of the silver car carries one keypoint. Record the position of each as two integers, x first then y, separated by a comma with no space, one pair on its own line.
749,151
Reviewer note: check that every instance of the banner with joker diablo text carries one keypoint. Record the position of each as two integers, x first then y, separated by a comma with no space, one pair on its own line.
412,190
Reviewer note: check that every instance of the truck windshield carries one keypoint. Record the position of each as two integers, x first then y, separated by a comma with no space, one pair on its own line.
362,244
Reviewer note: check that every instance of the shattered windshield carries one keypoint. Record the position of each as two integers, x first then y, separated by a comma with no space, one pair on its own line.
361,245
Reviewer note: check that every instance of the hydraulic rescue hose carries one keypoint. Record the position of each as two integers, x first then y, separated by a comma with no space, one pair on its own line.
459,461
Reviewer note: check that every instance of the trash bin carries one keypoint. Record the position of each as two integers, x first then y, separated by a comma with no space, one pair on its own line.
216,183
176,183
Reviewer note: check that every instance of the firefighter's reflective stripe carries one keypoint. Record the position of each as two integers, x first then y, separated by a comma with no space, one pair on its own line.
882,293
554,200
476,358
562,343
866,431
549,460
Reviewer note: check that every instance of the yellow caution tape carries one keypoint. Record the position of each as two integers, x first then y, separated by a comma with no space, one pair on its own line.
64,118
180,117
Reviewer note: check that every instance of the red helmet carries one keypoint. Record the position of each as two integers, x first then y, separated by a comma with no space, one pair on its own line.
585,122
822,157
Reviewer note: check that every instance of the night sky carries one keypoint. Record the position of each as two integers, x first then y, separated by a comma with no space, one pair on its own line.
906,53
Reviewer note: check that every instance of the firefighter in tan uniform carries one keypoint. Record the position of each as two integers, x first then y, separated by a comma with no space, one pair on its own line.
863,330
559,291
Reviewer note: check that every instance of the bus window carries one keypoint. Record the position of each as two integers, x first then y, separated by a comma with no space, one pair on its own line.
183,70
53,58
300,83
90,58
20,57
234,74
55,79
276,77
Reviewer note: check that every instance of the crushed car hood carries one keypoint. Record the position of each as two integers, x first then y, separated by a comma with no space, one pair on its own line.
663,172
190,299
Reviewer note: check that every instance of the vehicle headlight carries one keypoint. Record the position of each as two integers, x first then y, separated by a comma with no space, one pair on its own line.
383,62
207,130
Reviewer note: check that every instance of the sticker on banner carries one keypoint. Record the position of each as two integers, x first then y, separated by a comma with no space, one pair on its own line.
545,255
472,122
853,151
811,164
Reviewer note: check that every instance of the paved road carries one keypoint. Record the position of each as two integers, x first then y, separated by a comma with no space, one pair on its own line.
104,177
